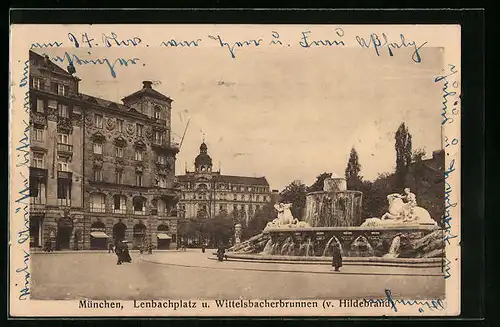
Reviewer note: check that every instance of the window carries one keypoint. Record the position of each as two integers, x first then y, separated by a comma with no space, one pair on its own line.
242,207
162,160
119,152
235,198
241,188
139,206
138,155
62,89
37,83
265,198
38,160
119,177
63,111
119,205
235,207
242,197
98,175
38,134
98,120
40,105
162,181
258,206
139,129
37,191
97,148
221,207
52,104
63,138
157,112
258,197
159,137
97,202
62,164
162,207
119,125
138,179
63,193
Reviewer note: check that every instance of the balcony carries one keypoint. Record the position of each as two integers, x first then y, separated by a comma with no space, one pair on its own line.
38,172
159,121
165,145
64,125
63,148
64,175
38,118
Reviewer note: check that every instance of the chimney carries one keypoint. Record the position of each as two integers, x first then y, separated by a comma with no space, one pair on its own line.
147,85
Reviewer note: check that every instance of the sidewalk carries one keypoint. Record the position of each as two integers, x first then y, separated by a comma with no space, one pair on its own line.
39,251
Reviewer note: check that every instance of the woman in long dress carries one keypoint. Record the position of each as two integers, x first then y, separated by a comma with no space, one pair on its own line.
336,257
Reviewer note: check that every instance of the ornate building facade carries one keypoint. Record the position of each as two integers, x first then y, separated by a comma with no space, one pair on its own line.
100,171
206,193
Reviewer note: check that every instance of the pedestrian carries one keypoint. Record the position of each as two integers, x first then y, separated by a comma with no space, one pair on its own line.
203,248
221,253
336,257
111,248
118,252
125,253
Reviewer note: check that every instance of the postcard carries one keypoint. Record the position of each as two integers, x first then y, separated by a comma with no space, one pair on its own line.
234,170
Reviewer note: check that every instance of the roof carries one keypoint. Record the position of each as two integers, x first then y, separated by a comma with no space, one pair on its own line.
109,104
38,60
147,91
243,180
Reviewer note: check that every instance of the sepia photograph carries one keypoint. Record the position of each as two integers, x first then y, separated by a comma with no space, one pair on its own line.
290,166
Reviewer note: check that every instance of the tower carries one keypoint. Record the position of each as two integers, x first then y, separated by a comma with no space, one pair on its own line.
203,162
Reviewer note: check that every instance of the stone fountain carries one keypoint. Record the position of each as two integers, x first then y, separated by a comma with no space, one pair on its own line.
333,216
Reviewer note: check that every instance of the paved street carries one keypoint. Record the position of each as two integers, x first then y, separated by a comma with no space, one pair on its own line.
184,275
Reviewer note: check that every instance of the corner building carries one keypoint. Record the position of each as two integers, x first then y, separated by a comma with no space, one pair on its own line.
206,193
116,166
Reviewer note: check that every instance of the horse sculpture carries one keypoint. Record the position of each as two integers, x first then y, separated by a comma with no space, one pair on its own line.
401,213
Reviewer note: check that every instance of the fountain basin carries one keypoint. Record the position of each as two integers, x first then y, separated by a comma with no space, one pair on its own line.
398,241
362,261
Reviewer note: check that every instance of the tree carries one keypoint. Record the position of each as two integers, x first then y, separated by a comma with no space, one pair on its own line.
295,193
259,221
403,146
352,171
220,228
318,184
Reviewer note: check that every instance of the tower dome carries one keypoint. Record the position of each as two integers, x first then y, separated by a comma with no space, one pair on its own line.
203,162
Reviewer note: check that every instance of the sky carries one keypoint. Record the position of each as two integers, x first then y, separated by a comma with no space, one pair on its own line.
286,115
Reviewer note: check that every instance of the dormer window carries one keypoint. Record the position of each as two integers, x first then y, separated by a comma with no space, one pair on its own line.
157,112
62,90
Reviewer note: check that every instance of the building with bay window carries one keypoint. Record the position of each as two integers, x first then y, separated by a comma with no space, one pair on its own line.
100,171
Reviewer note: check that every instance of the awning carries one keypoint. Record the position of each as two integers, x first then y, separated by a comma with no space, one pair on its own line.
162,236
99,235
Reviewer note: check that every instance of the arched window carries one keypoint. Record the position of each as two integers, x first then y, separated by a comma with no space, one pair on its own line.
139,205
97,202
119,203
